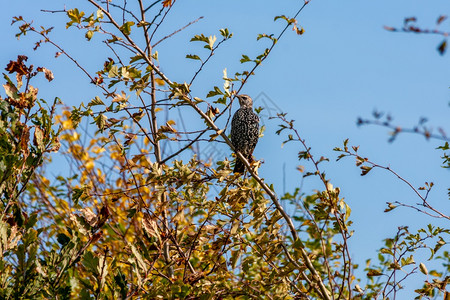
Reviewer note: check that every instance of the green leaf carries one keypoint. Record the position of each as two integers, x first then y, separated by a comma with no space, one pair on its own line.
96,101
32,220
245,58
136,58
126,27
289,20
113,72
200,38
407,261
373,272
216,92
100,120
75,17
63,239
10,90
193,56
121,281
268,36
131,213
225,33
234,258
445,147
90,262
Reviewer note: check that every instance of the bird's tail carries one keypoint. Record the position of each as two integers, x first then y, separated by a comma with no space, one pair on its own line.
239,167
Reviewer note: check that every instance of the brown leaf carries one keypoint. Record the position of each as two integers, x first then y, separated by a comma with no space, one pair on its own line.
194,277
25,138
18,66
89,216
18,103
55,146
137,157
441,19
167,3
103,216
297,30
411,19
167,128
96,237
373,272
389,28
31,95
129,138
150,227
48,74
442,47
19,80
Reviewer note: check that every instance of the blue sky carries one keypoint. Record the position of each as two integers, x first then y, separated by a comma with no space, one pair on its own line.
344,66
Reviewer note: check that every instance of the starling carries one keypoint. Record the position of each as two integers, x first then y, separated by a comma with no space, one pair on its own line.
244,131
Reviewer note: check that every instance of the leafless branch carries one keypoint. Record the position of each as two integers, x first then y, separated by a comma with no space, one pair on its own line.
175,32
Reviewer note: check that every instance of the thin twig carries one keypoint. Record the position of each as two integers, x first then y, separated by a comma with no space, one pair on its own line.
175,32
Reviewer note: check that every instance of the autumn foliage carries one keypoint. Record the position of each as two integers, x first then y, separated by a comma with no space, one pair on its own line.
138,215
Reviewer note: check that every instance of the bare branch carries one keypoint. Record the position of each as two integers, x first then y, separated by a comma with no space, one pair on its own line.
175,32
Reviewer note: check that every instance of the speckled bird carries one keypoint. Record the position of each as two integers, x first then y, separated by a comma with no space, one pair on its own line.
244,131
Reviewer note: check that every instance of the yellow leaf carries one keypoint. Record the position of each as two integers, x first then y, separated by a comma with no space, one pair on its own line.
159,81
45,181
89,165
75,137
39,138
98,150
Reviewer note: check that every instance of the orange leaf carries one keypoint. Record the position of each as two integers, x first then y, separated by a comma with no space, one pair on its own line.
18,66
167,3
